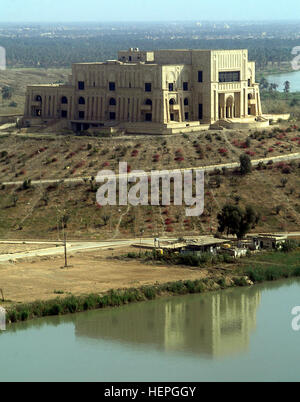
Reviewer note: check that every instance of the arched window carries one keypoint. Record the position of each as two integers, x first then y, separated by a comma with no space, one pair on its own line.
81,101
148,102
112,102
38,98
172,101
64,100
249,96
186,101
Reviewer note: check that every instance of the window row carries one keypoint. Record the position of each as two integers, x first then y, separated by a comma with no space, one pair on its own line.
230,76
148,116
112,101
64,99
112,115
111,86
148,85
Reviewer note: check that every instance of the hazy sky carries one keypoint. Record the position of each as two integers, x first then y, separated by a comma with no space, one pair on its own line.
145,10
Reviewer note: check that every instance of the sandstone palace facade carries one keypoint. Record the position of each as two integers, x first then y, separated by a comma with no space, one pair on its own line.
162,91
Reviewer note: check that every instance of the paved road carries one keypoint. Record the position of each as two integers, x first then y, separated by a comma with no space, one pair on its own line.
71,247
207,168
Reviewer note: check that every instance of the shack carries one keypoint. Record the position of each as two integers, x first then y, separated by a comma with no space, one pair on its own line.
267,241
205,244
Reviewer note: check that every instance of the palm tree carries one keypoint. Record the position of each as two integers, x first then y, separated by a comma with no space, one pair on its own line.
264,84
287,86
273,87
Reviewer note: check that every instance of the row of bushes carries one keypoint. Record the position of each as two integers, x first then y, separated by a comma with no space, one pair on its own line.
286,264
188,259
76,304
273,273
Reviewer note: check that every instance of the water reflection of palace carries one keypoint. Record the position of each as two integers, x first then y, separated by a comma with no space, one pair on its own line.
213,324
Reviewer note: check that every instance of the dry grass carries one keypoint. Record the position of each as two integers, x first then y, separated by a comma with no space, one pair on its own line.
89,273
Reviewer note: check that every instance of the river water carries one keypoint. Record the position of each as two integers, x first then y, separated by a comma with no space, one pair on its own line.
242,334
280,79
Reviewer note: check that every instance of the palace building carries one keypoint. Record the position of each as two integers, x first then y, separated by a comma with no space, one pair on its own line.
161,91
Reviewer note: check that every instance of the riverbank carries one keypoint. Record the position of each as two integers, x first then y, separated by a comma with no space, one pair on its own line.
116,298
272,267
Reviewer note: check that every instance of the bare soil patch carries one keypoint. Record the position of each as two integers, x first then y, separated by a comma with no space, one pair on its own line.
93,272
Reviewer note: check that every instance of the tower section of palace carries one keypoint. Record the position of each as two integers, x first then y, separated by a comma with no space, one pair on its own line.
157,91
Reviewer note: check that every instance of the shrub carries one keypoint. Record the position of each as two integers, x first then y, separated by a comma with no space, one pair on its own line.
70,304
24,315
223,151
56,309
245,164
90,302
289,245
149,292
132,255
256,274
26,184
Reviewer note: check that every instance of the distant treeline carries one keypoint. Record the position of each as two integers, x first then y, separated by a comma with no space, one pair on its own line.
62,52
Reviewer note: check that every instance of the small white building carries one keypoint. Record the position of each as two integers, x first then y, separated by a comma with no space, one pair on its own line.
268,241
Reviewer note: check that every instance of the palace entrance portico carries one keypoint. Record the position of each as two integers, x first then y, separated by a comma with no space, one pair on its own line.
229,106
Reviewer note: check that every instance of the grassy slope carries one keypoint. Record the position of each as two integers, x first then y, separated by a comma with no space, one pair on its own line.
32,218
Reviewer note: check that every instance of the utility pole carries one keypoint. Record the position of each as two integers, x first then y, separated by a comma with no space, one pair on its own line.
65,243
62,220
141,234
65,246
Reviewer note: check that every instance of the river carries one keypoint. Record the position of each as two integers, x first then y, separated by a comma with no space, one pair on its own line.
280,79
241,334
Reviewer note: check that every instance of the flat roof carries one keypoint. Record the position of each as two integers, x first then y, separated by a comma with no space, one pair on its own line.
206,241
197,242
269,236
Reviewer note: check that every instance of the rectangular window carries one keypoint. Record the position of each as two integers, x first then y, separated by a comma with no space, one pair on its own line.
185,86
148,87
81,115
81,85
249,83
171,87
200,111
230,76
112,116
186,116
172,116
148,117
200,76
112,86
64,114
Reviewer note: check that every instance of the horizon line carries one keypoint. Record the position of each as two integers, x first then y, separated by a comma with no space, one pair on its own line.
152,21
